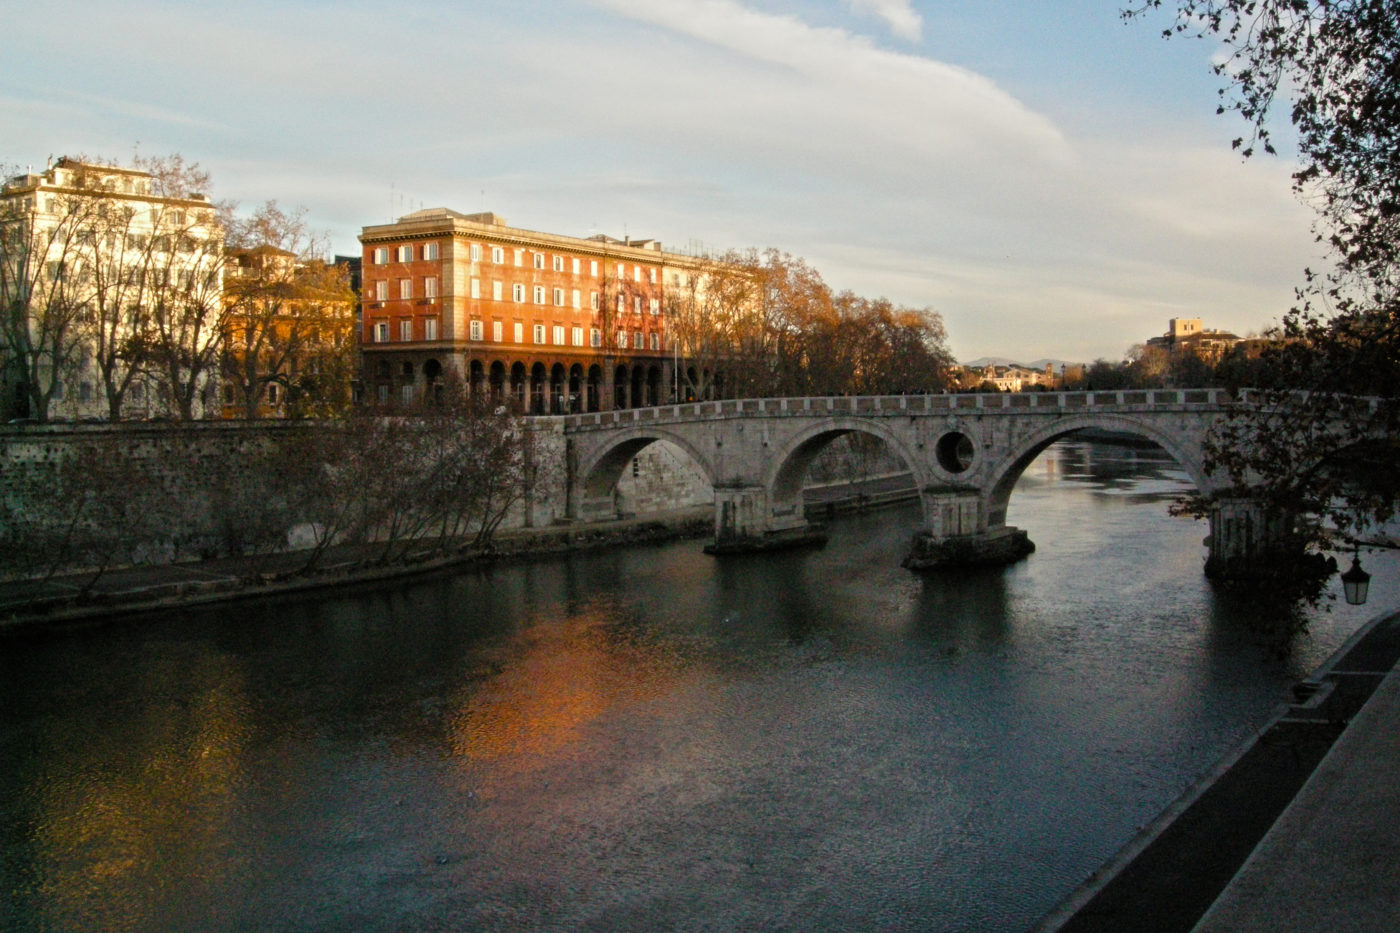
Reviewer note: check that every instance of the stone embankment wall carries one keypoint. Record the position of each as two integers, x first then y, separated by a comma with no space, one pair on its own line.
174,484
178,487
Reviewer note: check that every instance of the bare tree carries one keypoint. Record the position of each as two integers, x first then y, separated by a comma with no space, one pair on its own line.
43,291
289,316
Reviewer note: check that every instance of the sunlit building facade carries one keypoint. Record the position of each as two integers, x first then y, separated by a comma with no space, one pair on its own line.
557,323
92,261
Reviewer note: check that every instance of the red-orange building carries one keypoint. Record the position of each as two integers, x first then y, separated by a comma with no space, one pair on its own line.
559,323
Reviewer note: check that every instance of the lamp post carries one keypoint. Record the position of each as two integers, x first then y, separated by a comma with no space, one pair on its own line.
1355,582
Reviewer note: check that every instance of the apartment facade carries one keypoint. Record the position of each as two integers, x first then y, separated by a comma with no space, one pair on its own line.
109,295
557,323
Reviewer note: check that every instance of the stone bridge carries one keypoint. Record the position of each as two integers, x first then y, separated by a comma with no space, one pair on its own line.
965,453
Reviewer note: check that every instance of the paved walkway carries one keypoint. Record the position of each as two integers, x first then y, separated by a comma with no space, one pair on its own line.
1332,861
1299,830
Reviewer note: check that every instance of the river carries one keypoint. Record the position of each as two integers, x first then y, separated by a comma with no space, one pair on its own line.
648,738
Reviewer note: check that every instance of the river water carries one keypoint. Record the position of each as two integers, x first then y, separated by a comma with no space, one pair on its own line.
649,738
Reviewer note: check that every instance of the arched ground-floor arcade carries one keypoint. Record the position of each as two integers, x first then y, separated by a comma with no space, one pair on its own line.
540,383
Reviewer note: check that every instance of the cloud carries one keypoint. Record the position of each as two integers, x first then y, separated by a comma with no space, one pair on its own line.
839,85
902,19
701,122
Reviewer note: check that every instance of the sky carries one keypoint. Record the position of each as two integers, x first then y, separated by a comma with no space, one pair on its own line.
1052,181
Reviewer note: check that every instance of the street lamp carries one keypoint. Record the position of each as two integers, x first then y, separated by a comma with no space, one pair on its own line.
1355,582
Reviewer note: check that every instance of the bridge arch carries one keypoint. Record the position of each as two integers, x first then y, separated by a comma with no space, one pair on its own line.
1004,474
598,475
784,478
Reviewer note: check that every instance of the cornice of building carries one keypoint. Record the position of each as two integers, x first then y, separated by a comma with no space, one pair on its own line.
491,228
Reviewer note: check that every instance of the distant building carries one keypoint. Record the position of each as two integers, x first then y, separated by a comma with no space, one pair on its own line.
1006,378
558,323
1185,335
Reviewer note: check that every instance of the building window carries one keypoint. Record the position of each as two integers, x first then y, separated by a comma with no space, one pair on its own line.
405,254
430,329
498,254
405,331
577,334
539,294
637,340
519,329
655,341
577,296
576,265
430,251
593,268
539,333
636,273
637,304
558,335
405,288
558,263
381,331
476,252
539,260
474,330
559,297
272,393
476,288
621,304
381,255
593,300
406,393
381,290
517,291
621,272
520,257
430,287
496,291
622,340
652,274
595,337
496,334
384,395
656,306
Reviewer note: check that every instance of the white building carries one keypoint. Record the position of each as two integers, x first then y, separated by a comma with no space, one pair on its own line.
109,294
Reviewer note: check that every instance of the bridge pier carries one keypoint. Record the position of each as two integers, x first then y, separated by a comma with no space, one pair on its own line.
1247,540
745,521
958,533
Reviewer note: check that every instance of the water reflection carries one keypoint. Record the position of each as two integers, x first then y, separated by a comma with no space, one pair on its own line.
648,738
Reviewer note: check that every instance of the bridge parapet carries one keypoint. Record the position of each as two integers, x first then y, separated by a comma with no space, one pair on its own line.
1122,400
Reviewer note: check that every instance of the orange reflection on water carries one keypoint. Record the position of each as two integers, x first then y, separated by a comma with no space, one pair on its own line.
565,675
133,814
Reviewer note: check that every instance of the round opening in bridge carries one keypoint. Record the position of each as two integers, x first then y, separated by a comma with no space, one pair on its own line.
955,452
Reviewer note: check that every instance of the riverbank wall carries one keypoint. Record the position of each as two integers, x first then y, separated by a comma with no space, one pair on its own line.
177,492
184,490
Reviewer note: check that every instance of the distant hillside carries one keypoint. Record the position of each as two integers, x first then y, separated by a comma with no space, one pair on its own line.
1003,361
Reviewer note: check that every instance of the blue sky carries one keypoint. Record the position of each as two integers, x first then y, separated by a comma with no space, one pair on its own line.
1054,182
